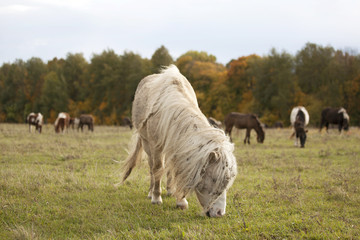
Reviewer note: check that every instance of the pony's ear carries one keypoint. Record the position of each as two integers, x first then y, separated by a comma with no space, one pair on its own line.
213,157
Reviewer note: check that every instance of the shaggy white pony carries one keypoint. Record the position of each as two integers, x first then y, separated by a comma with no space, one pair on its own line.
178,139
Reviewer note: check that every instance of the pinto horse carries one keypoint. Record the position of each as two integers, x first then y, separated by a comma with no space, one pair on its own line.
62,122
36,120
299,119
169,124
335,116
86,119
244,121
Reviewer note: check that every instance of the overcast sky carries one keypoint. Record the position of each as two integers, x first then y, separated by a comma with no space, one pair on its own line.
227,29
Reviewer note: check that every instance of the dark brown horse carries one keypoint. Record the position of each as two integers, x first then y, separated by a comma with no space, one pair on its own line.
35,119
244,121
62,122
86,119
127,122
335,116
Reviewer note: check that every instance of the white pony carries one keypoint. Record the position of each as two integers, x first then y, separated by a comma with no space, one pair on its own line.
179,140
299,119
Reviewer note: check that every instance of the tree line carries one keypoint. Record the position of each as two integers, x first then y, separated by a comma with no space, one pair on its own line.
269,86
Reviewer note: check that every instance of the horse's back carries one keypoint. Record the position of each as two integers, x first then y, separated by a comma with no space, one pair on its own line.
156,89
294,113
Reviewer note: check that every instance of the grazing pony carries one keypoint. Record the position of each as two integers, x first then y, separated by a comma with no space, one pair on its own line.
241,121
36,120
335,116
86,119
215,123
278,124
179,140
74,122
299,119
62,122
127,122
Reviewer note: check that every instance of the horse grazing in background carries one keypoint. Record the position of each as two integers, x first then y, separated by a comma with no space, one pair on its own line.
179,140
35,119
86,119
335,116
127,122
215,123
244,121
62,122
74,122
299,119
278,124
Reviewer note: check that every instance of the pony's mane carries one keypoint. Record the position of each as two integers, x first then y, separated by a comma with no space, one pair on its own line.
186,138
343,111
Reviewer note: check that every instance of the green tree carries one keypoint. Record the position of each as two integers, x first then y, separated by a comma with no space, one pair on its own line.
75,71
275,86
160,58
54,98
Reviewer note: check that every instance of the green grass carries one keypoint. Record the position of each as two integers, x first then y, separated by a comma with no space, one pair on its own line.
61,186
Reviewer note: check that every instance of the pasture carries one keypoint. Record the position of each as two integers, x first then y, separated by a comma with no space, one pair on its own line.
61,186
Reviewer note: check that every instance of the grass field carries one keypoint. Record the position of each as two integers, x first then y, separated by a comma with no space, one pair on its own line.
62,187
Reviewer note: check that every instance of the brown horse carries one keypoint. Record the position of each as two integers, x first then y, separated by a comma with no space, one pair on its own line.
242,121
127,122
62,122
86,119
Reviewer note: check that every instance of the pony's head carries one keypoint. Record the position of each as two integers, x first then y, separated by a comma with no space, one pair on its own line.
260,134
217,176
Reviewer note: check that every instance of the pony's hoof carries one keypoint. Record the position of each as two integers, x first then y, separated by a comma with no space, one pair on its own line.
183,204
157,201
169,193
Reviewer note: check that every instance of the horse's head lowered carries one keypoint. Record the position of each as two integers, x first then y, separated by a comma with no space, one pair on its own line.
260,134
300,132
217,176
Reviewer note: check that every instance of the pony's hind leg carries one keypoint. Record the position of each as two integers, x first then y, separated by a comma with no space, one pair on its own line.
146,147
157,170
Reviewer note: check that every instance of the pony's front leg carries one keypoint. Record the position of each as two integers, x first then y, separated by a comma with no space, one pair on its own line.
247,136
182,203
168,183
151,184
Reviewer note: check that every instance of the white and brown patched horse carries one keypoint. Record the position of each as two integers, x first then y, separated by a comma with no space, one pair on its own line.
179,140
35,120
299,119
335,116
62,122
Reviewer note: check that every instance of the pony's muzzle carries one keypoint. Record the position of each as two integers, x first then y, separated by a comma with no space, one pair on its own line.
216,213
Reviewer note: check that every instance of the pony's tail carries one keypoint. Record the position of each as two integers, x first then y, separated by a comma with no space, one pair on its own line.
134,156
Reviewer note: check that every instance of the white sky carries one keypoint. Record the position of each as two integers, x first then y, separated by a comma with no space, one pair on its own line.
227,29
